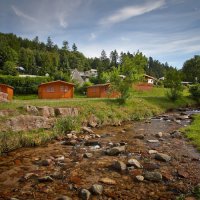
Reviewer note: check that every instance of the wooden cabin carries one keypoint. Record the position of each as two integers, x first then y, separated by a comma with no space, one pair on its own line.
56,90
9,90
149,79
101,91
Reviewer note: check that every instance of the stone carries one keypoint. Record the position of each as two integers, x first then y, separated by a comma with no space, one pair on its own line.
69,143
85,194
44,162
116,150
139,178
135,163
108,181
176,134
97,189
29,122
3,97
13,198
140,136
30,175
46,111
87,155
119,165
69,135
153,151
87,130
66,112
153,176
92,143
92,121
153,141
182,173
162,157
60,158
159,135
45,179
151,166
32,110
64,198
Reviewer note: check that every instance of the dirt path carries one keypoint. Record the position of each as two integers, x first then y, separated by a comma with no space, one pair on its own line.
56,169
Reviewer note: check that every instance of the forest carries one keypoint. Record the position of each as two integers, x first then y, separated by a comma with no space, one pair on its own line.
23,56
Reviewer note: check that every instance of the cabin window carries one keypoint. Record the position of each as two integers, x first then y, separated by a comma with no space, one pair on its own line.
50,89
64,88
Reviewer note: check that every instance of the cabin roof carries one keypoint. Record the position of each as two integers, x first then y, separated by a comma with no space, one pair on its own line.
58,81
99,85
149,76
1,84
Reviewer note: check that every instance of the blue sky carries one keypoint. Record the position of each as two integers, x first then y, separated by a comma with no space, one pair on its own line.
167,30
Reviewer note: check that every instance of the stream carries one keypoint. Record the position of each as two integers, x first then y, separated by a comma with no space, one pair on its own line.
64,167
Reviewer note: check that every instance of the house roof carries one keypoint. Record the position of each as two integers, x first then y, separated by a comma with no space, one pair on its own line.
1,84
150,76
99,85
58,81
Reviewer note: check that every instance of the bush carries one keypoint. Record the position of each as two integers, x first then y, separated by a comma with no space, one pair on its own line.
195,92
24,85
83,89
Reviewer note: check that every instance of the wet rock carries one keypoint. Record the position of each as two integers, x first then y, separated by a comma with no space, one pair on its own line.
151,166
153,176
153,141
87,155
92,143
140,136
115,151
182,173
176,134
162,157
139,178
159,135
153,151
97,189
87,130
64,198
135,163
45,179
69,143
108,181
119,165
85,194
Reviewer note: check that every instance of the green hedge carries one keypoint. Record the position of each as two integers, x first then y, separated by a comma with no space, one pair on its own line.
24,85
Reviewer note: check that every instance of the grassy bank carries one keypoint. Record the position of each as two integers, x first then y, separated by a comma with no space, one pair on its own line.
193,131
108,111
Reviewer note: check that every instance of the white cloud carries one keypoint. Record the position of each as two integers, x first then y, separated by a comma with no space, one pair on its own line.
131,11
62,21
19,13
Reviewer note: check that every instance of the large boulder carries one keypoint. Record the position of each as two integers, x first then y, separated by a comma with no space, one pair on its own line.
3,97
46,111
66,112
29,122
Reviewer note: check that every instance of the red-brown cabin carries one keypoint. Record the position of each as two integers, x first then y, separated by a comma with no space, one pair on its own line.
56,90
101,91
8,90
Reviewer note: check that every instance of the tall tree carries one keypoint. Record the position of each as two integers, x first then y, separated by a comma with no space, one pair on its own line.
74,47
49,44
65,45
114,58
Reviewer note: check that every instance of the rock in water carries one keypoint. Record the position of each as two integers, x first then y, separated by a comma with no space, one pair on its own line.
153,176
85,194
162,157
97,189
115,151
135,163
119,165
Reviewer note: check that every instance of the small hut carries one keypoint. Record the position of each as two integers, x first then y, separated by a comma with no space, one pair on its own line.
6,89
56,90
101,91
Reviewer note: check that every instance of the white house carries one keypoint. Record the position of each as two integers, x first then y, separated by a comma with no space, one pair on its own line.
150,79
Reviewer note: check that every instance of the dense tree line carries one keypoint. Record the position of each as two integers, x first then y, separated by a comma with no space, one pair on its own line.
39,58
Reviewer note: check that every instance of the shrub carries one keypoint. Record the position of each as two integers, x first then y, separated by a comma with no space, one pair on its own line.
24,85
82,89
195,92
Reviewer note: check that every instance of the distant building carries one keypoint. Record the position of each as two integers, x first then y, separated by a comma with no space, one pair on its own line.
7,89
56,90
150,79
101,91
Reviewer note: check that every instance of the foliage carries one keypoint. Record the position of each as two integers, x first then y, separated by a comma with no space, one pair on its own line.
173,82
192,131
9,68
24,85
191,69
83,89
195,92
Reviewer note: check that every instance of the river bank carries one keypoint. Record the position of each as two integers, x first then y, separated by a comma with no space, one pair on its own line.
107,157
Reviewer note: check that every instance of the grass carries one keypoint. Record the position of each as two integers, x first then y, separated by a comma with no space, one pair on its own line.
193,131
108,111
